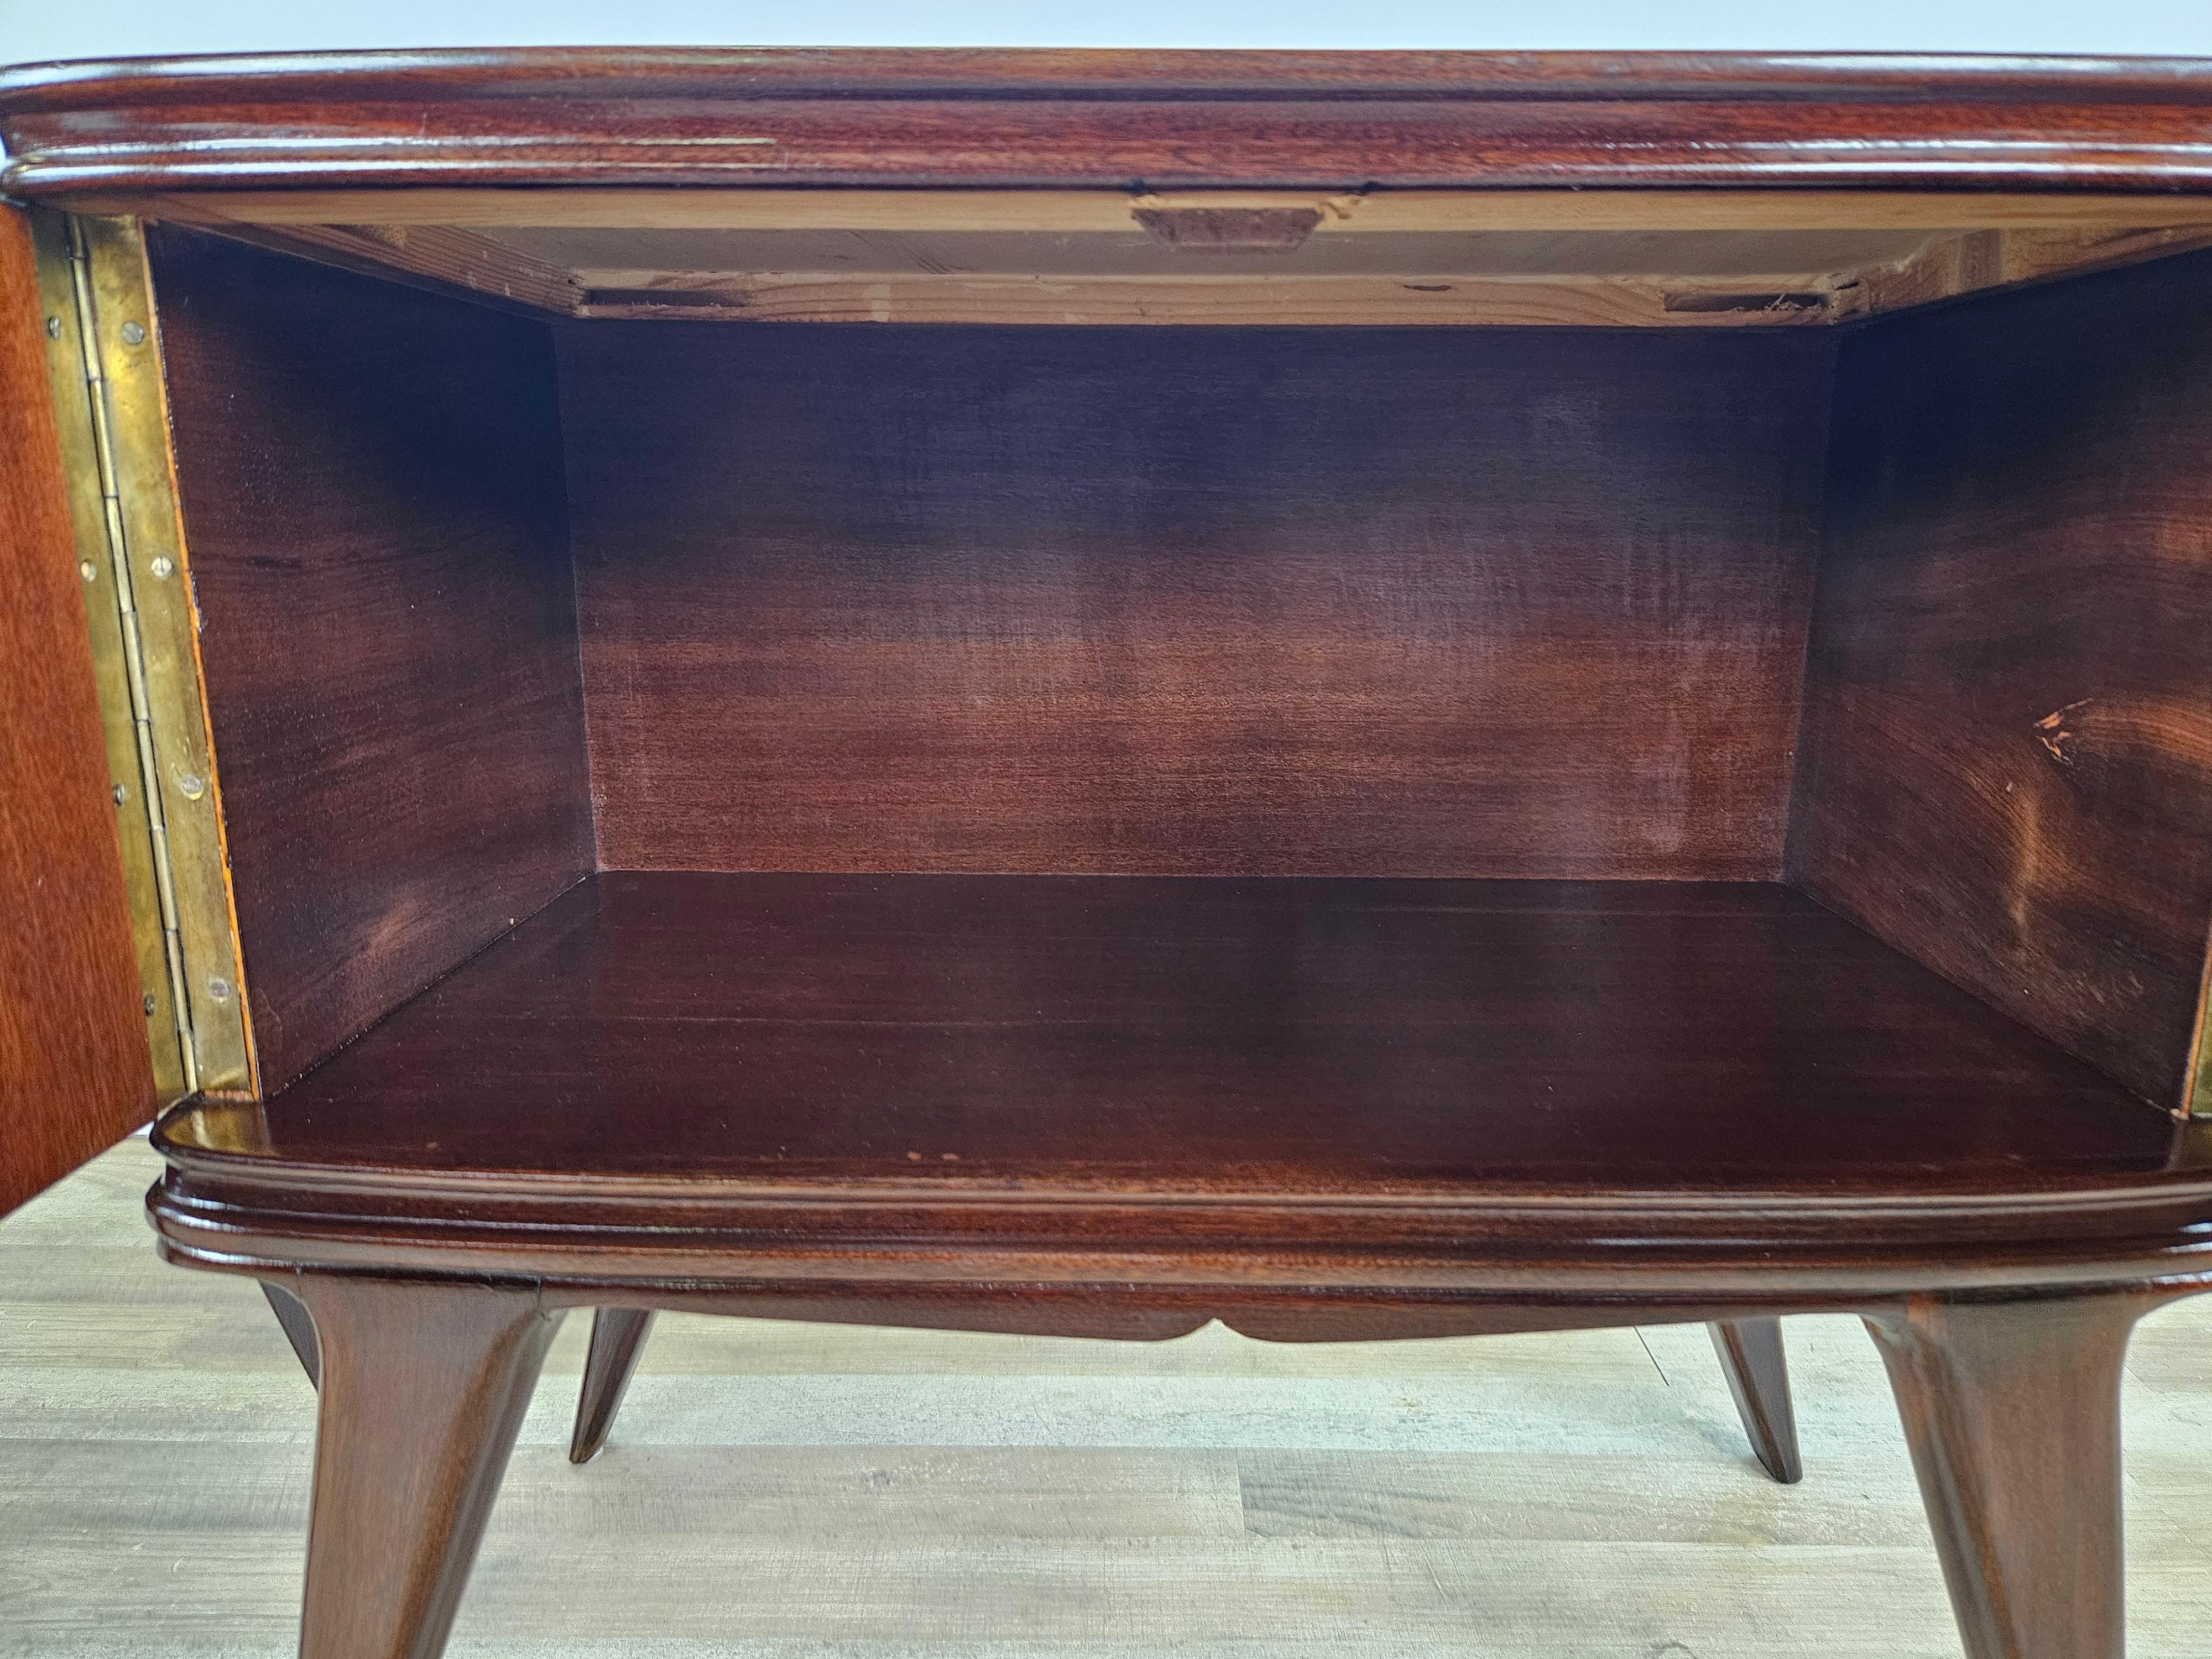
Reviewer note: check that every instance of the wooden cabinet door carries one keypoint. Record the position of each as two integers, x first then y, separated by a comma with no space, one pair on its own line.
74,1074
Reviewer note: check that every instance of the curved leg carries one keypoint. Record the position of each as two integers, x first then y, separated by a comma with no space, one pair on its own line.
424,1385
2013,1412
299,1329
617,1339
1758,1377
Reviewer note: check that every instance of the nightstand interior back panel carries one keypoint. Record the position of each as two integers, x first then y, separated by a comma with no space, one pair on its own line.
1341,602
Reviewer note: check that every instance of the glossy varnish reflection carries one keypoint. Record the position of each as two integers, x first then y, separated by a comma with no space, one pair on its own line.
1267,1037
1242,622
371,485
2003,767
73,1056
1345,120
1151,1101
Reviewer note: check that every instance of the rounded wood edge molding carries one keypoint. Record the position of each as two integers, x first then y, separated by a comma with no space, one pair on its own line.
231,1186
472,74
1331,120
671,1268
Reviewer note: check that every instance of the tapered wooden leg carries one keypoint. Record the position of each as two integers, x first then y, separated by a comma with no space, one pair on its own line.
1758,1377
299,1328
424,1387
617,1339
2013,1412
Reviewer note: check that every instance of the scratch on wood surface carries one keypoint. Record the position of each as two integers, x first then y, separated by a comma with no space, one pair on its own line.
2054,731
2173,733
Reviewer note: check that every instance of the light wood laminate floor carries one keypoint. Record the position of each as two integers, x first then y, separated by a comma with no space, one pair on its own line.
793,1491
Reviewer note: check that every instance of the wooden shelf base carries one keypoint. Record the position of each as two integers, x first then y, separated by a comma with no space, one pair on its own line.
1282,1042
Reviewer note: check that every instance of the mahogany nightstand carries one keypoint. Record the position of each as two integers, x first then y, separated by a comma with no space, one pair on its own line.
1364,695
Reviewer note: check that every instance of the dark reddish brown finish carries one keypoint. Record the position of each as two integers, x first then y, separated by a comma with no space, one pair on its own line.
1144,1057
1340,120
2007,761
1386,602
423,1388
371,484
617,1339
1757,1369
1316,1109
2013,1412
74,1070
298,1328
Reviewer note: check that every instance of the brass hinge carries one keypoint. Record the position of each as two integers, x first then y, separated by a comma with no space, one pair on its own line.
111,405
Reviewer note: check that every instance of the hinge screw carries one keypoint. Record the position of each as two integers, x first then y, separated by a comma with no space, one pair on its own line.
87,569
192,784
163,566
219,989
149,1005
121,794
53,328
134,334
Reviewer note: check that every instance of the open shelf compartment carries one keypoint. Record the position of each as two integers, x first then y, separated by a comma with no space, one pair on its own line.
1297,1037
1347,758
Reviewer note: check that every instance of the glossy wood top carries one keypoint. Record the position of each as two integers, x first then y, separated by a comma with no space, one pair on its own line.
1348,120
1281,1038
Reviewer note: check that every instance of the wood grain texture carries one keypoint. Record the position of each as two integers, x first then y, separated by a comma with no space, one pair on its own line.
617,1339
444,259
298,1328
1979,260
78,406
617,1334
1181,300
2012,1410
1088,1061
950,233
423,1388
1408,603
371,483
1680,279
1524,1497
1174,264
74,1072
1312,1108
954,209
2006,765
1132,119
1757,1368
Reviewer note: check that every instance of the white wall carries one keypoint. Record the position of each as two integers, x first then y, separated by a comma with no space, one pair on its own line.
32,30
